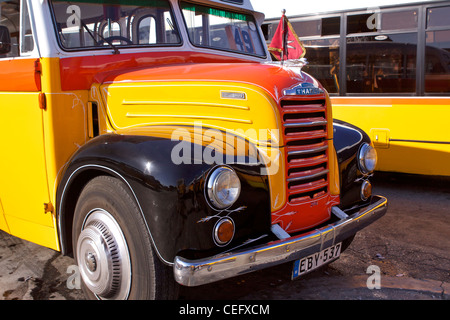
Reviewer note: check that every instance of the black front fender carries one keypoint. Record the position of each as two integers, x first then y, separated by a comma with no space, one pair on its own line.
170,196
347,142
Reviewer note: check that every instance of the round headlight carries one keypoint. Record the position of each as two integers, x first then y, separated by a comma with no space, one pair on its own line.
223,187
367,158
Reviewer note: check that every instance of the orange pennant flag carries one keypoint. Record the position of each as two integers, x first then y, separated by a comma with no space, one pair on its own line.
285,42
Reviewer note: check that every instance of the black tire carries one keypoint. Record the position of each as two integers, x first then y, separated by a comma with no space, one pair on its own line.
113,248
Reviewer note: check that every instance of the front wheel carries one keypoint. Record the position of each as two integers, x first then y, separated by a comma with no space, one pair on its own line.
112,246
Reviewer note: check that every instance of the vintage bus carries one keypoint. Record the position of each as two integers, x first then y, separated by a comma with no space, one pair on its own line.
157,143
387,71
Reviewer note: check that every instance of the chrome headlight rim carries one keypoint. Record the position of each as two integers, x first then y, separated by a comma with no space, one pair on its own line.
216,231
365,164
366,190
213,191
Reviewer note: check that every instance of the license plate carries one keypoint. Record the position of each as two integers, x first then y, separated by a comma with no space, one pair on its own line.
316,260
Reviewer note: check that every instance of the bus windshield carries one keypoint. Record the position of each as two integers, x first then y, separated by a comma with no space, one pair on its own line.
92,24
222,29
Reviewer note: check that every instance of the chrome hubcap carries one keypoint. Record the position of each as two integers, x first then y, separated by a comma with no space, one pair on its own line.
91,261
103,257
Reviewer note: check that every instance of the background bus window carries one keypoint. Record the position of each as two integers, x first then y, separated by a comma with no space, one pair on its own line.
438,17
437,62
437,51
382,20
361,23
322,50
382,64
398,20
317,27
306,28
323,62
382,52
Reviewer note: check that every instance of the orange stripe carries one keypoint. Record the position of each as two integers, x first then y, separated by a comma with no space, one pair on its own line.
20,75
78,73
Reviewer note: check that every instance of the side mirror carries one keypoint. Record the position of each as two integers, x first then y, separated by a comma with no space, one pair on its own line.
5,40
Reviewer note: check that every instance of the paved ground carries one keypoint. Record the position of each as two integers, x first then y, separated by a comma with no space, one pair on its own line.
410,246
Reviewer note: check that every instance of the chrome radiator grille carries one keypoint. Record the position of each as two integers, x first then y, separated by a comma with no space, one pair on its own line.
305,133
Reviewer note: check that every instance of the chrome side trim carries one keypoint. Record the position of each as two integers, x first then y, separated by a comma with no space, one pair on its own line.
223,266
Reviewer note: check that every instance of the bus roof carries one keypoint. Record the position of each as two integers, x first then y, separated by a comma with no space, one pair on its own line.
273,11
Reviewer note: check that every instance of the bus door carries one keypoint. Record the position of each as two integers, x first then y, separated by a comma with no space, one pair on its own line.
24,191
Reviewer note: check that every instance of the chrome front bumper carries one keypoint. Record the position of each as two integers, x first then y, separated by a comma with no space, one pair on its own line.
198,272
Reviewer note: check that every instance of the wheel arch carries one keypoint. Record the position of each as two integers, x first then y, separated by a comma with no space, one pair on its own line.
70,194
68,199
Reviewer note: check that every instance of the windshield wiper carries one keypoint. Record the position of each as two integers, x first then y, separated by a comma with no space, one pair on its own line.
116,50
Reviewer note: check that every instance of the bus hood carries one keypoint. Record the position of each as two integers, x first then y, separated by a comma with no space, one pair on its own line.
226,96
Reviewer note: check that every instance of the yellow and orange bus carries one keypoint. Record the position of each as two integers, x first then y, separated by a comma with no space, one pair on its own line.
387,70
157,143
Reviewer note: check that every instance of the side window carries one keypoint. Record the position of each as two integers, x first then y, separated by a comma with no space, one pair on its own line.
26,35
323,58
9,28
437,51
147,30
14,39
322,50
382,52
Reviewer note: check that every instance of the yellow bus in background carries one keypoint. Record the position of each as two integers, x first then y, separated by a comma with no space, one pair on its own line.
388,72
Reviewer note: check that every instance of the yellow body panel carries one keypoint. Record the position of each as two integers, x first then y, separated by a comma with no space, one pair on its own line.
3,224
335,188
37,233
191,103
32,162
332,156
24,189
411,135
65,122
277,176
22,163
